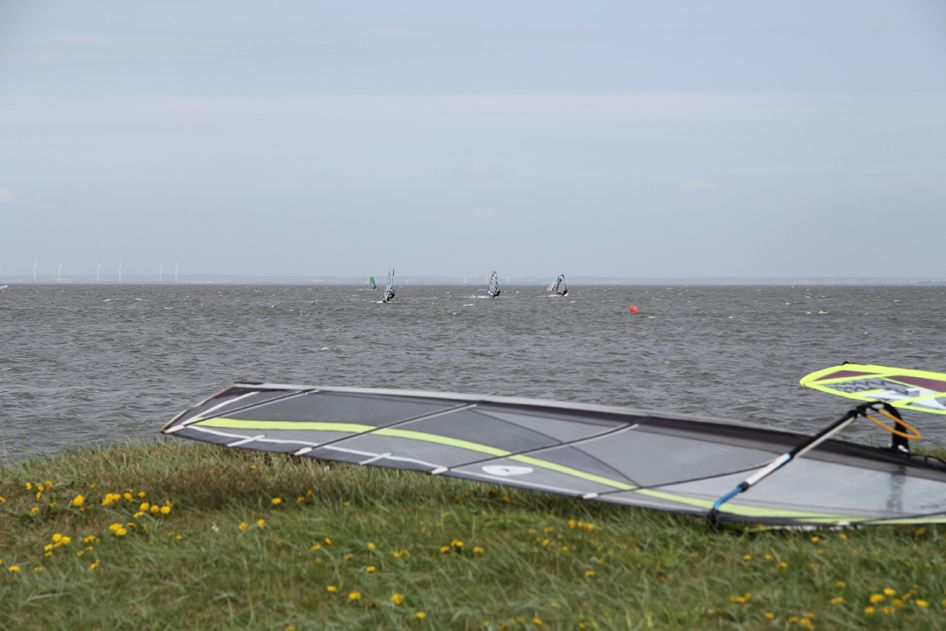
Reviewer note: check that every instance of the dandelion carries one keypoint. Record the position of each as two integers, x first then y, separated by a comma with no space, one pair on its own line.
354,596
243,526
397,599
477,550
331,589
842,536
141,494
889,591
276,501
165,509
747,557
90,539
370,546
420,615
922,603
589,573
769,557
837,600
29,486
128,496
15,569
782,565
371,569
815,539
840,584
38,569
260,522
299,499
444,549
179,537
876,598
327,541
572,523
78,501
740,599
537,621
138,515
155,509
868,611
769,615
94,565
57,538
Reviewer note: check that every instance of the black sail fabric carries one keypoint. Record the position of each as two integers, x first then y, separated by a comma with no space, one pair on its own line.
673,463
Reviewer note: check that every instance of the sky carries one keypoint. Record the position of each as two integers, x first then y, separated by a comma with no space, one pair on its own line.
756,138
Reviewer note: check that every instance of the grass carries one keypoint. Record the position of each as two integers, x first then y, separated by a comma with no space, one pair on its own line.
457,555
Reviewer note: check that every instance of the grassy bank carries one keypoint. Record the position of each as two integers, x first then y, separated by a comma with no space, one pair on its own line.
189,536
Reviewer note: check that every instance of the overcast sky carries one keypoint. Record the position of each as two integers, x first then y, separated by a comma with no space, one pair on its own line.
667,139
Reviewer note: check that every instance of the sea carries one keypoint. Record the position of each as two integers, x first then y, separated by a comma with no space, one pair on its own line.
97,364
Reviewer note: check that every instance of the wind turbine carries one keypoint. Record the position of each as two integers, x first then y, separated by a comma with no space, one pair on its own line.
119,271
98,273
59,276
161,273
34,269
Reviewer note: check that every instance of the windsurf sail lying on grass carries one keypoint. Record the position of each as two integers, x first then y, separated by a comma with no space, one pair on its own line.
658,461
918,390
388,295
373,285
492,285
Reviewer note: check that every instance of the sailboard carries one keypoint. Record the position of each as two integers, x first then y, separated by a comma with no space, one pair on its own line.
917,390
492,285
371,284
388,295
682,464
560,287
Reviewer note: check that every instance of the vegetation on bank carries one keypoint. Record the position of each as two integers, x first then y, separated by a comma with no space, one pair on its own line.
181,535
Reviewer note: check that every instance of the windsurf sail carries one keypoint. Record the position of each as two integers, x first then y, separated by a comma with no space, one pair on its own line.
388,295
918,390
560,287
492,285
681,464
373,285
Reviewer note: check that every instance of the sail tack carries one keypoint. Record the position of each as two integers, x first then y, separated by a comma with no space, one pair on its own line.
673,463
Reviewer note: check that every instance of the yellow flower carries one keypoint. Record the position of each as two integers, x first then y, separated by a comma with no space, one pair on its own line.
155,509
837,600
815,539
90,539
769,557
14,568
144,506
477,550
537,621
94,565
589,573
57,538
444,549
889,591
876,598
397,599
571,523
141,493
331,589
128,496
165,509
370,546
840,584
868,611
420,615
260,522
371,569
353,596
842,536
747,557
243,526
78,500
327,541
277,501
456,543
29,486
782,565
299,499
179,537
922,603
315,547
769,615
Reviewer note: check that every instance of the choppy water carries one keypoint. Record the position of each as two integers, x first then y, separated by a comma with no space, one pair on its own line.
95,363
